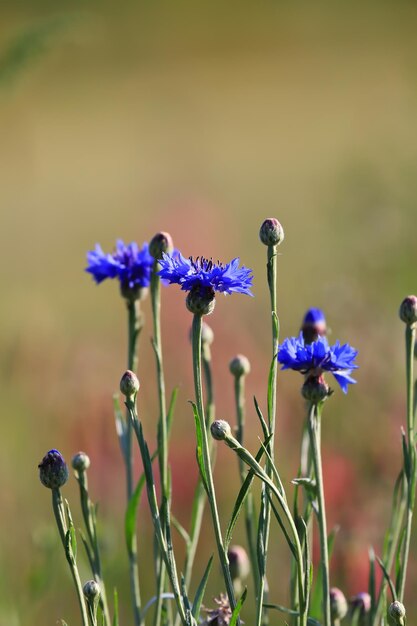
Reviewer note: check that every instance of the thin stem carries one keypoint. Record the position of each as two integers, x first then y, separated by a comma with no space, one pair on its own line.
249,504
162,423
196,335
410,333
314,424
134,328
58,508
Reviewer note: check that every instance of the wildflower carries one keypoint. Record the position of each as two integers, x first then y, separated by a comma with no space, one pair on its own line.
202,278
161,243
220,429
129,384
80,462
239,366
130,264
338,604
408,310
318,357
53,471
360,606
238,563
314,325
220,616
271,232
396,614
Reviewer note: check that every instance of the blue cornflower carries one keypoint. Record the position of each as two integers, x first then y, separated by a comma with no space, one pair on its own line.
130,264
314,316
313,359
201,273
314,325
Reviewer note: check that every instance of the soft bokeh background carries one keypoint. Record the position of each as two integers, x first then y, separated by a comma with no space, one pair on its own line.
121,119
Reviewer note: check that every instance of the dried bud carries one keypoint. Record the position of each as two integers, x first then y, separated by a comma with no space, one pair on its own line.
53,471
239,565
129,384
220,429
314,325
315,389
396,614
361,605
338,604
80,462
91,590
239,366
271,232
161,243
201,300
408,310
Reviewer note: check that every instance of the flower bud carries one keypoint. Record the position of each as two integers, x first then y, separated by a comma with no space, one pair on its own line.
315,389
314,325
201,300
161,243
271,232
408,310
220,429
91,591
80,462
338,604
53,471
239,366
207,335
129,384
239,565
396,614
361,605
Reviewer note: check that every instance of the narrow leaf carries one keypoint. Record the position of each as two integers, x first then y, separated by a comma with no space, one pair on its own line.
200,590
238,608
264,425
387,578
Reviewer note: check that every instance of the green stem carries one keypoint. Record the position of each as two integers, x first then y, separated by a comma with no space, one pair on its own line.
410,333
58,508
134,328
249,504
196,335
272,398
314,424
90,525
162,423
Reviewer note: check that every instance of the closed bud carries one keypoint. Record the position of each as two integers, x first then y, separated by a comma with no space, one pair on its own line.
80,462
160,244
129,384
408,310
91,591
220,429
239,366
360,606
314,325
201,300
239,565
315,389
53,471
271,232
396,614
338,604
207,335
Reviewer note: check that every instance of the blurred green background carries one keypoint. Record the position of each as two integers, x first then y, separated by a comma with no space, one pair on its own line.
200,118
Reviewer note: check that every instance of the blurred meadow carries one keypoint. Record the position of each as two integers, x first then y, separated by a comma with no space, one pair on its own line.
201,119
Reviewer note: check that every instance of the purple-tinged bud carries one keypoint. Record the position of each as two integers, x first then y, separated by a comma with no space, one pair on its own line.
160,244
201,300
220,429
92,592
239,366
271,232
129,384
396,614
53,471
338,604
360,605
315,389
314,325
408,310
239,565
80,462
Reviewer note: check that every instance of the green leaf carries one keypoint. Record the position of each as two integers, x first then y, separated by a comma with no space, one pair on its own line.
271,386
398,557
387,578
200,590
199,449
238,608
242,495
131,512
316,596
171,409
264,425
116,608
282,609
282,526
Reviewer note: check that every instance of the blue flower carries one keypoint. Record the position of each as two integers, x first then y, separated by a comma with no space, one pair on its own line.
312,359
314,316
130,264
202,274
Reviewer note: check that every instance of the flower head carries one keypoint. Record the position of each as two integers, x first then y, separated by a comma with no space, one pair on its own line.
129,263
219,616
53,471
203,273
315,358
